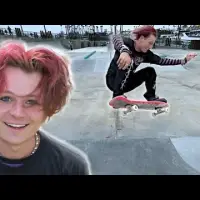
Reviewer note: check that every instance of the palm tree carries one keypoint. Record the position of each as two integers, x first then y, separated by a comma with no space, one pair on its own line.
22,30
101,28
45,29
115,29
121,29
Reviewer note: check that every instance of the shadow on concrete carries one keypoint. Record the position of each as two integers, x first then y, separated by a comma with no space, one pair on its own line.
146,156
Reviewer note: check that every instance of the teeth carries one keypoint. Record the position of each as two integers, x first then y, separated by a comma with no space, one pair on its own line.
16,126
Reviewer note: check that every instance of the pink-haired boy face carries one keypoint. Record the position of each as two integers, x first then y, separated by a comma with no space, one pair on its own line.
21,112
34,85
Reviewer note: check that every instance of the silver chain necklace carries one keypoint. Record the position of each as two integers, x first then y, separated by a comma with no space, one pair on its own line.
130,67
37,142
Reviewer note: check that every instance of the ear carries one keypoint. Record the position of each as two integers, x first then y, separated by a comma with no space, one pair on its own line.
142,37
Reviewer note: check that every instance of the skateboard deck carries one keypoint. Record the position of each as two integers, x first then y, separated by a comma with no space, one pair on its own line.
134,105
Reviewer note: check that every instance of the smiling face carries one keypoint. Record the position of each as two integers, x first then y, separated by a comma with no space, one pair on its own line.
21,113
145,43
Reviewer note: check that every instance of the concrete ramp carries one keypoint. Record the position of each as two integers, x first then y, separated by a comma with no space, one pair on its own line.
194,65
148,156
189,150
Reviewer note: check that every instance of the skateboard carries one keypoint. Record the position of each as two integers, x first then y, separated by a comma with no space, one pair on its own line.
133,105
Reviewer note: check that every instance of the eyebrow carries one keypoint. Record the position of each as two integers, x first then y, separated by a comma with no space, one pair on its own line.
29,95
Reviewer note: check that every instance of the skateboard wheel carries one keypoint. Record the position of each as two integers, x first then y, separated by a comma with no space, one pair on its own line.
167,110
154,114
135,107
125,112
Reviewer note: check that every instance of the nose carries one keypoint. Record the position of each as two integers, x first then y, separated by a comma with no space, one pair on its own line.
17,110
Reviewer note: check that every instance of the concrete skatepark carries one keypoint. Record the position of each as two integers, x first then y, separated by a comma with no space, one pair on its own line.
135,144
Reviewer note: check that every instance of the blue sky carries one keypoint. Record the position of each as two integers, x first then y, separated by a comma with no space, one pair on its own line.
57,28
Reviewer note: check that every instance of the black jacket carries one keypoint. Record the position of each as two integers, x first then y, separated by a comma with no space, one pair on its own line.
117,75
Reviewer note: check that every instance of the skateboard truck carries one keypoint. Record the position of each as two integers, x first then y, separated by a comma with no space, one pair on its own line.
159,111
130,108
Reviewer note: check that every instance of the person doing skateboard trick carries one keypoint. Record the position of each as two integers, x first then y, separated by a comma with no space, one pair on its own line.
129,54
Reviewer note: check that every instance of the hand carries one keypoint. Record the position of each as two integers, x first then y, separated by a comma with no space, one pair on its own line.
124,60
190,56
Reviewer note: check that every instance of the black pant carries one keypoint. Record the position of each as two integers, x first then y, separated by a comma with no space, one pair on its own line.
147,75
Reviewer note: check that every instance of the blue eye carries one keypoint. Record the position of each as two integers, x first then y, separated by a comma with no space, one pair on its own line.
5,99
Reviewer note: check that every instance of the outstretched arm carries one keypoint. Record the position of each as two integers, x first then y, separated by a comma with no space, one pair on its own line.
167,61
155,59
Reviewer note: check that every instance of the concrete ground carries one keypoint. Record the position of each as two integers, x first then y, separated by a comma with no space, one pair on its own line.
135,143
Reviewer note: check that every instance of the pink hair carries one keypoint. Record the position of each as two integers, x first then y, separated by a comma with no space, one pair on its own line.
145,31
56,83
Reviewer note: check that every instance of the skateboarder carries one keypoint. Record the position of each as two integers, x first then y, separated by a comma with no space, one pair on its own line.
34,85
130,53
